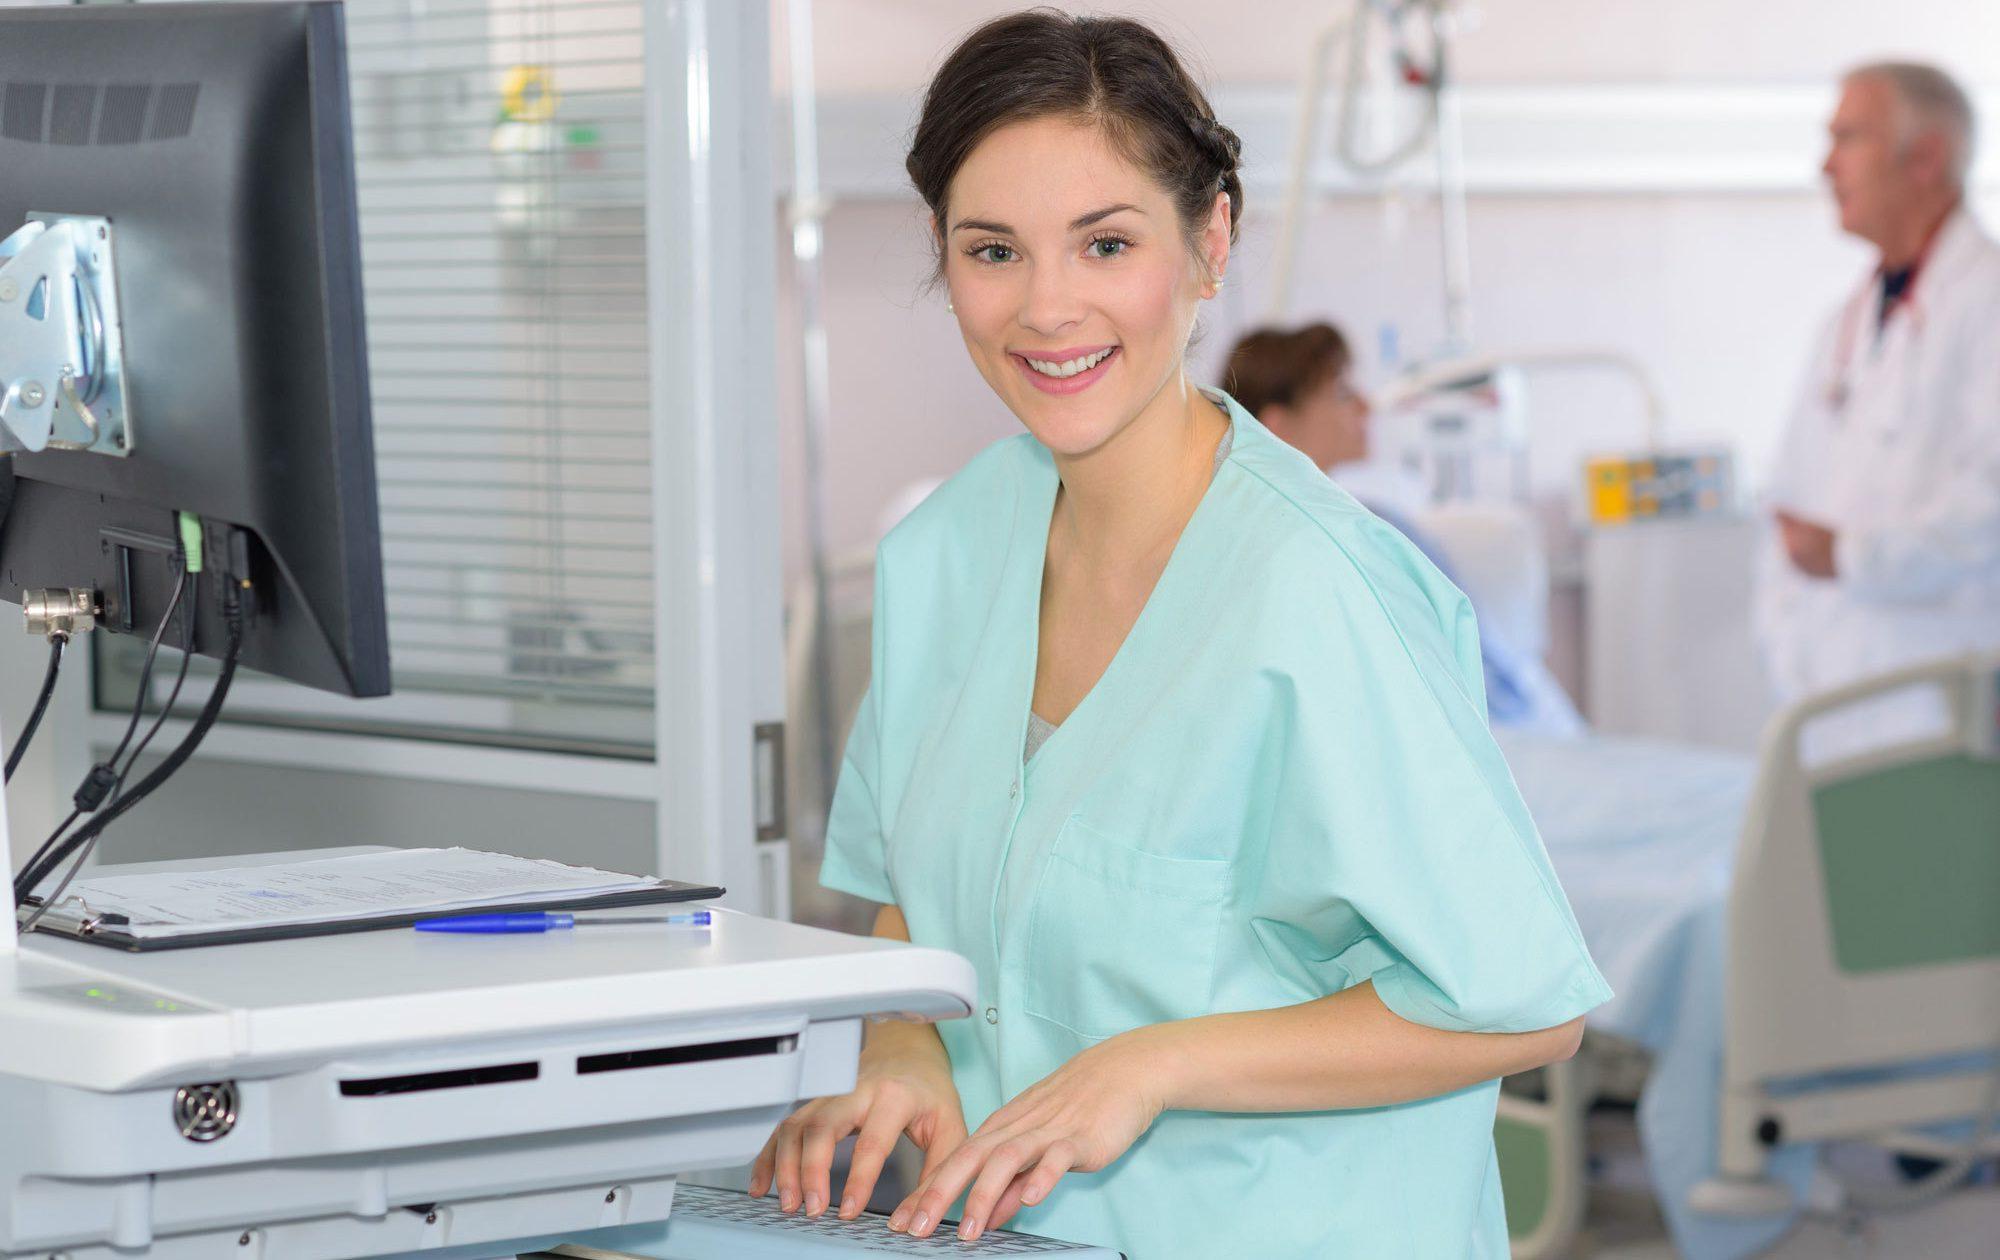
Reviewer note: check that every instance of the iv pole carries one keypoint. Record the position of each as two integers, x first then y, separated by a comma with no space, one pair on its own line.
1437,127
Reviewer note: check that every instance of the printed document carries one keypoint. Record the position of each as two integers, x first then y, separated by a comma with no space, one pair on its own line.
337,890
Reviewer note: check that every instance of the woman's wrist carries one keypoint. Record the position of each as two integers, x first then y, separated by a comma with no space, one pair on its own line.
897,1046
1159,1063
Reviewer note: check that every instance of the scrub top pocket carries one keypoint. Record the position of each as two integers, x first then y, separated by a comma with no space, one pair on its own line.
1122,937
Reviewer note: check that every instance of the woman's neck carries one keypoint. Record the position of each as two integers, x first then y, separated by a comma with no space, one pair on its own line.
1129,499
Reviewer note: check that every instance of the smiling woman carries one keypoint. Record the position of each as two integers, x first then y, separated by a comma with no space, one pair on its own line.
1182,748
1067,175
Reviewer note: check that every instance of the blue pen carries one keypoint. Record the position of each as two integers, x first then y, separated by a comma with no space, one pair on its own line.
548,921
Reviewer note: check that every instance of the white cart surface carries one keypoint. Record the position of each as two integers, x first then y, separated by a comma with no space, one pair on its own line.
380,1092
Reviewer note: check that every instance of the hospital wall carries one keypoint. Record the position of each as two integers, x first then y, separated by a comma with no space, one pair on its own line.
891,45
1717,295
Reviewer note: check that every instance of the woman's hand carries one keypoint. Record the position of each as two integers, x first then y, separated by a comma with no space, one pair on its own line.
1082,1116
904,1086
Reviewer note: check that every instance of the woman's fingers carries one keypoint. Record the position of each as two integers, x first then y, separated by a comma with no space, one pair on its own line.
947,1138
947,1135
1034,1185
921,1212
1010,1203
785,1159
764,1169
817,1140
1002,1165
871,1150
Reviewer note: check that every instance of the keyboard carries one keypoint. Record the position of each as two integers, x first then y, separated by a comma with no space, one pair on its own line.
725,1225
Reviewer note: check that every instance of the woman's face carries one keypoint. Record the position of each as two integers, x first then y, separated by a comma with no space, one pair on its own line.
1072,279
1330,423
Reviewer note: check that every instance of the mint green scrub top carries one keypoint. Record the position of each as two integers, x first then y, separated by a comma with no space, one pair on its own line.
1281,786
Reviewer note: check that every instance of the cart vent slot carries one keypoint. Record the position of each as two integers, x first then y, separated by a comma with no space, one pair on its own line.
425,1082
626,1060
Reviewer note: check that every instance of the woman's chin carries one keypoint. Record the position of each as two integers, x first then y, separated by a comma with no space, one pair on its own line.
1070,436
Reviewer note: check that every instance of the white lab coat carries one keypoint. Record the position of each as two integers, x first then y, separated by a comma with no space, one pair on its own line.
1895,445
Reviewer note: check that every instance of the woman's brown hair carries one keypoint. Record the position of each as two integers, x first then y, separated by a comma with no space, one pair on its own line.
1272,367
1112,72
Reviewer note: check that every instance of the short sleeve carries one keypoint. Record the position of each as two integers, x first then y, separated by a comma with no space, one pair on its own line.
1399,849
855,861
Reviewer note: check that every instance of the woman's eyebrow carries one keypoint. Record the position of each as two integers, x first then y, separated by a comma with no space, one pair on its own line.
982,225
1098,216
1076,225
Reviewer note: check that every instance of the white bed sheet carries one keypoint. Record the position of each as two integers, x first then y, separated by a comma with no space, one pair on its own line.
1642,833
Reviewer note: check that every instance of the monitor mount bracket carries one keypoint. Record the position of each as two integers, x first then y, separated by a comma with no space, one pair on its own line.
62,355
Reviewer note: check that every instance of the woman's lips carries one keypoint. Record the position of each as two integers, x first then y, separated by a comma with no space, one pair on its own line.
1066,384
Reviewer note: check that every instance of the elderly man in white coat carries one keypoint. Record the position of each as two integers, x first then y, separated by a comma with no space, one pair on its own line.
1886,495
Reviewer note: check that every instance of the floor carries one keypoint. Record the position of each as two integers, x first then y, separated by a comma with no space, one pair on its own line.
1622,1221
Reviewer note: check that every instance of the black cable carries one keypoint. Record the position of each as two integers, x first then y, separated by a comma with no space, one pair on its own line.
118,787
104,778
44,866
180,676
56,642
146,670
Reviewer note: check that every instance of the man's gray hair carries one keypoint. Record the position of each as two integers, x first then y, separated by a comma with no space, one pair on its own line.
1935,101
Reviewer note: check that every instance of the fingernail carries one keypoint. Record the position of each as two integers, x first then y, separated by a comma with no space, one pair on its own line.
898,1219
919,1223
968,1229
814,1206
786,1202
1031,1197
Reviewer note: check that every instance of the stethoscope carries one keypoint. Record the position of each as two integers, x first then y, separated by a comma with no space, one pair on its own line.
1839,389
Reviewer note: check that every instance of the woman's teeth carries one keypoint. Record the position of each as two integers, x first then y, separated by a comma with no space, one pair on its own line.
1070,367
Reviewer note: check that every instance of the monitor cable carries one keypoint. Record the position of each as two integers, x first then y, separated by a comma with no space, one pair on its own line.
118,788
20,748
103,777
60,847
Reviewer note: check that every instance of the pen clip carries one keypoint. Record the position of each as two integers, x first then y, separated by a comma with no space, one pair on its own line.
87,920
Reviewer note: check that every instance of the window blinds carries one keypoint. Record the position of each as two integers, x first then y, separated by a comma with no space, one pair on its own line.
501,179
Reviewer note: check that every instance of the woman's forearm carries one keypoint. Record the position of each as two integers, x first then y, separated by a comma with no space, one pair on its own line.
1344,1051
902,1039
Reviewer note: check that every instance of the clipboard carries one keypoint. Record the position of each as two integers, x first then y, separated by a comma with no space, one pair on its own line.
108,930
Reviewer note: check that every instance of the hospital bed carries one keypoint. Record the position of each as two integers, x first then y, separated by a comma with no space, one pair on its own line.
1646,836
390,1091
1833,972
1864,931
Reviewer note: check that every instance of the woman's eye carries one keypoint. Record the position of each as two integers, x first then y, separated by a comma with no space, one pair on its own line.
1109,247
994,253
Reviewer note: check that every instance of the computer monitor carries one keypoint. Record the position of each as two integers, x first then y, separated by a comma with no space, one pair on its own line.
202,155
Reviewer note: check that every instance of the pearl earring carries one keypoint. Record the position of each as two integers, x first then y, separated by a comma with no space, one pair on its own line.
952,309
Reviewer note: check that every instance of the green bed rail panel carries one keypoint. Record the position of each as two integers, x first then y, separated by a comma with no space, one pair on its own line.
1526,1176
1912,862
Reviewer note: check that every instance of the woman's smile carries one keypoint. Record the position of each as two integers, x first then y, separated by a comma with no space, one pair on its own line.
1065,371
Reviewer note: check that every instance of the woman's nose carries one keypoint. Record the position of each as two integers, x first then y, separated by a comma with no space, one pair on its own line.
1050,302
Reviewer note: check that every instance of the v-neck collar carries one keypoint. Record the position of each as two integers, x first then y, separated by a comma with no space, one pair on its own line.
1042,510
